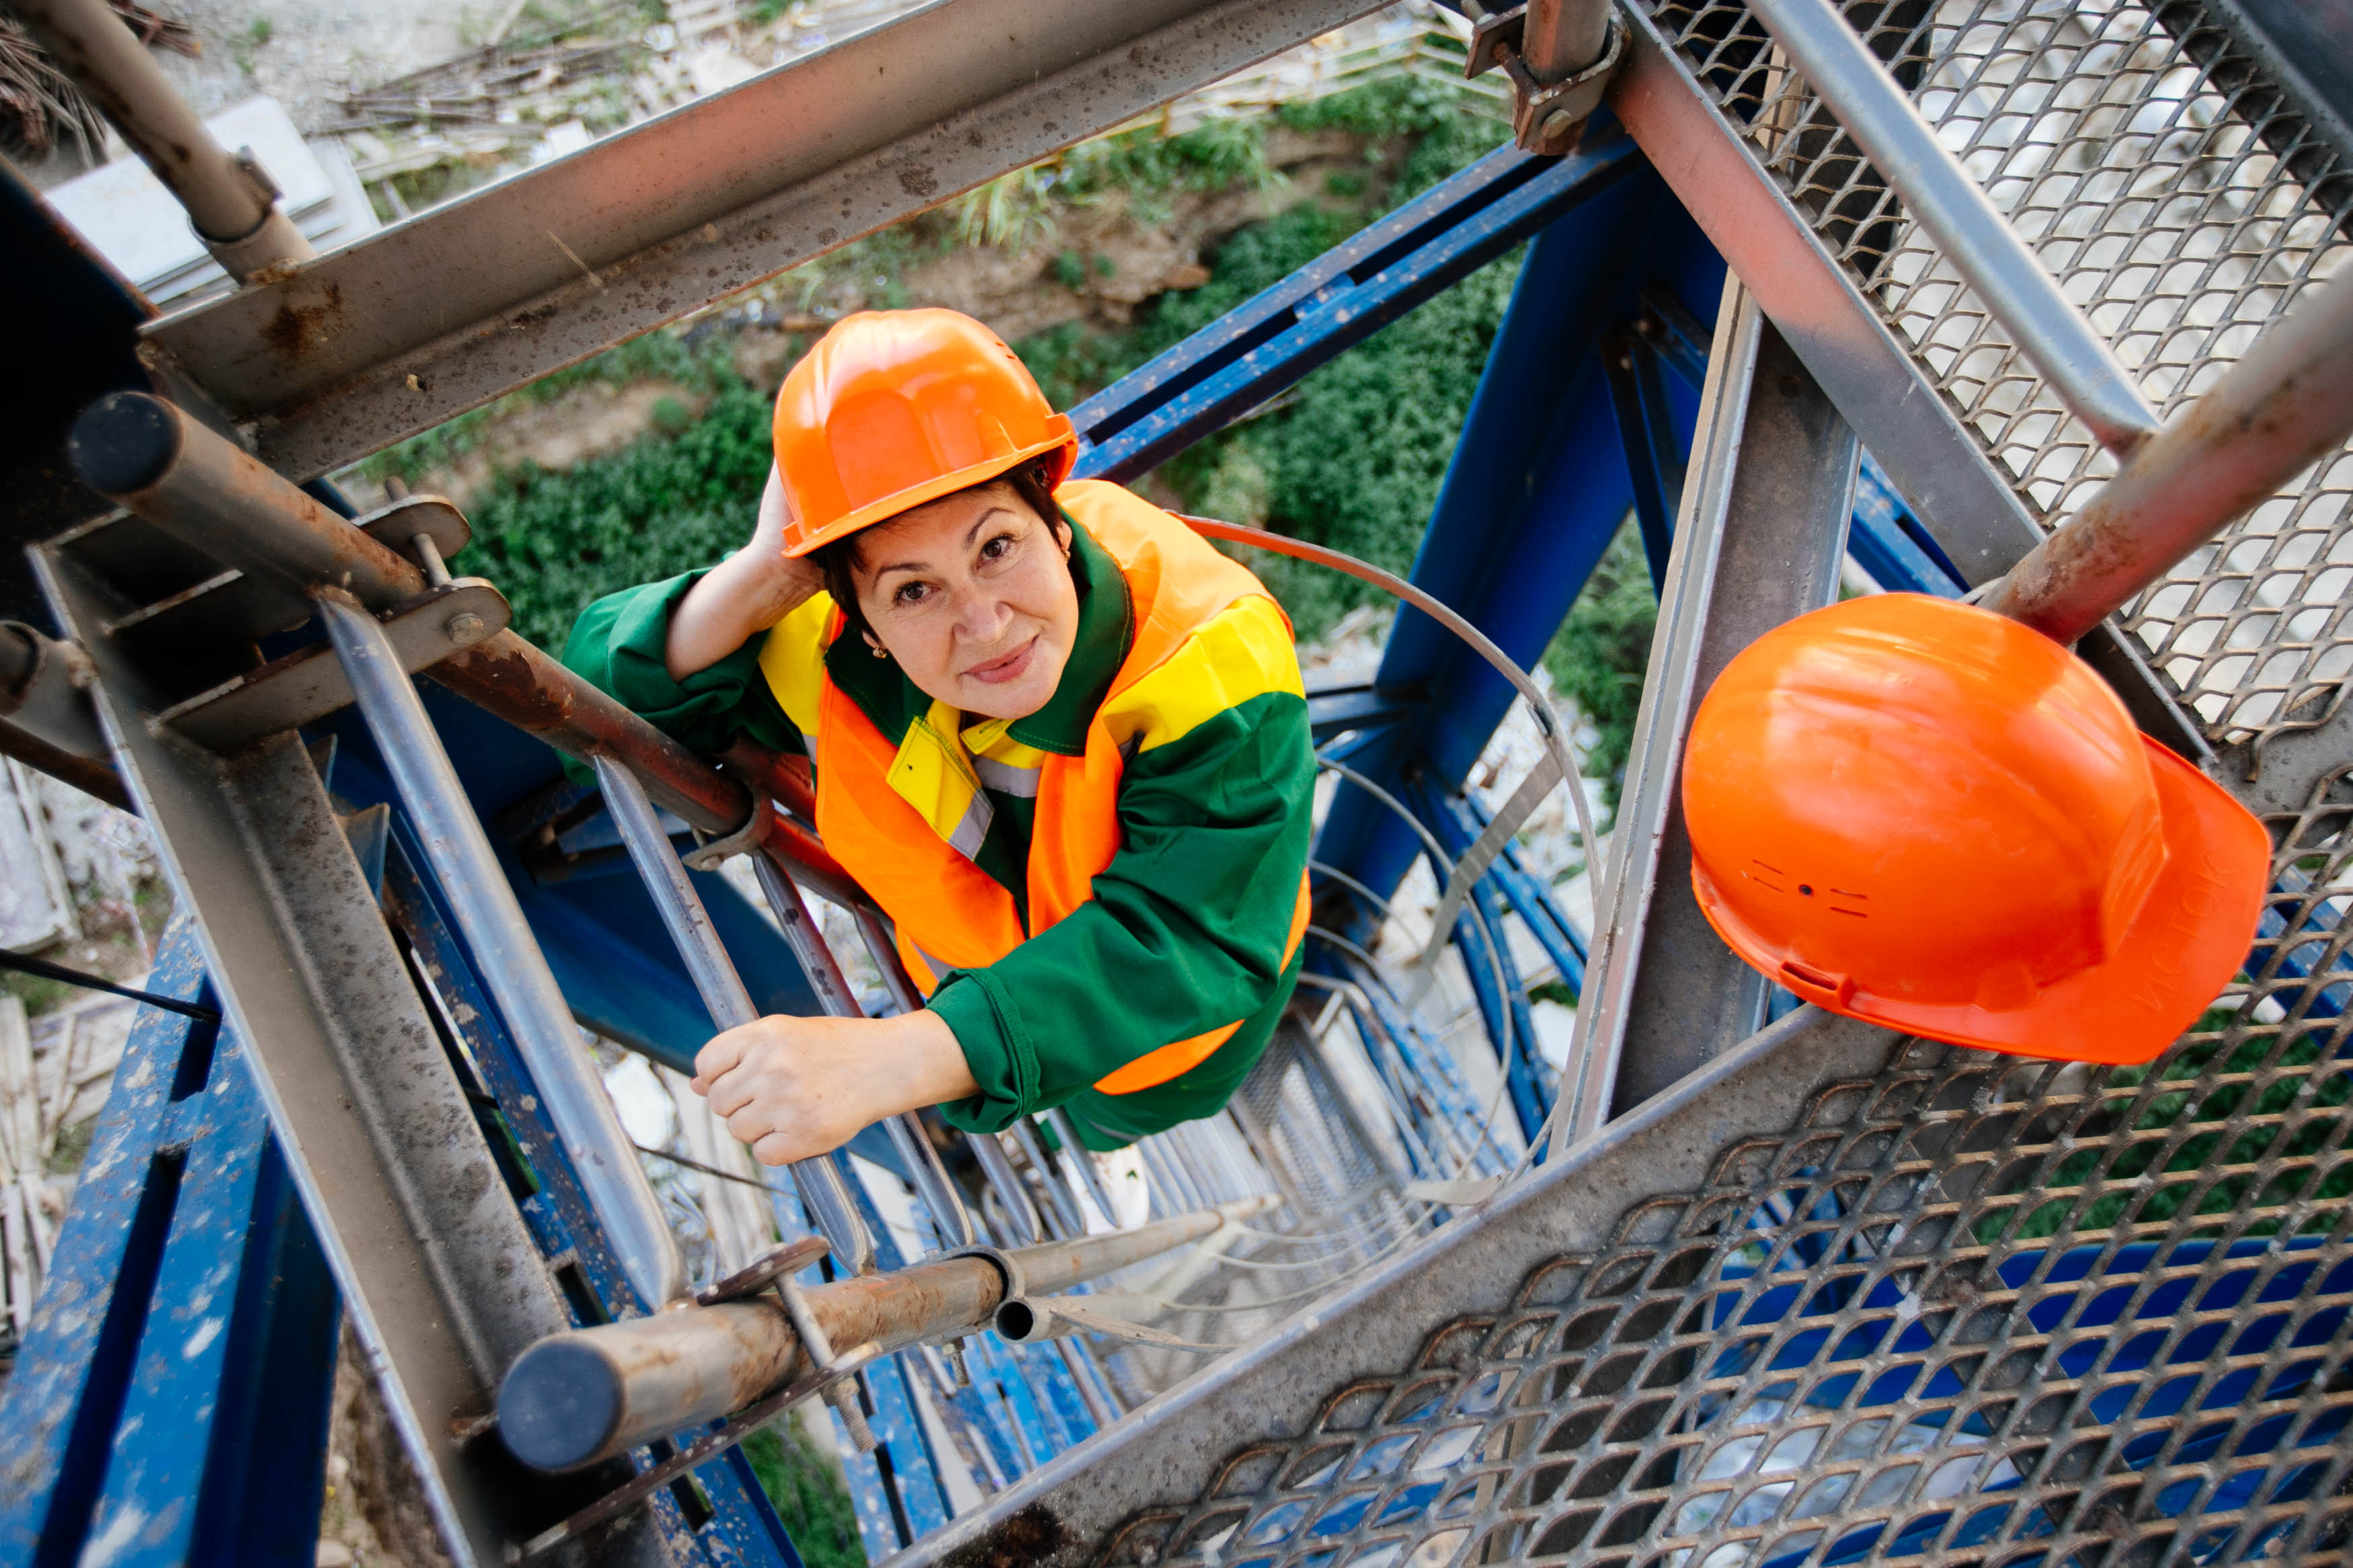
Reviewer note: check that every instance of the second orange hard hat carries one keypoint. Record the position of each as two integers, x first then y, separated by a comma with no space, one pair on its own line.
894,408
1920,813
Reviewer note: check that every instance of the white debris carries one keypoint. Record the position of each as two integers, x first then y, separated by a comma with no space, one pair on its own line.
35,906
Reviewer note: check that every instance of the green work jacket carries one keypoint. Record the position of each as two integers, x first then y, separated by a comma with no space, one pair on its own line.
1172,932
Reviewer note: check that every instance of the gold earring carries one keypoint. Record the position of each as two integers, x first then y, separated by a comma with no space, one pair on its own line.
879,652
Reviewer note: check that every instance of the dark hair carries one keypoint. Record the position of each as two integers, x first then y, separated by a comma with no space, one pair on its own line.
836,561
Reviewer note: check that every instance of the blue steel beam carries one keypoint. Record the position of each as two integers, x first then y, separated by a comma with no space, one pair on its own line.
1495,974
1537,488
1340,299
170,1402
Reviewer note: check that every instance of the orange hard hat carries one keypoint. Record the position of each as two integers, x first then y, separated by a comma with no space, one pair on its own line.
894,408
1922,815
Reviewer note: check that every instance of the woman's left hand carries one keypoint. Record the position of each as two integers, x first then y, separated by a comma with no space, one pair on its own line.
795,1089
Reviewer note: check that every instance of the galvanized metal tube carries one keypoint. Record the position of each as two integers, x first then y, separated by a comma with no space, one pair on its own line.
1973,235
1562,38
938,1191
1068,1222
512,968
582,1396
230,202
2287,403
722,989
1018,1209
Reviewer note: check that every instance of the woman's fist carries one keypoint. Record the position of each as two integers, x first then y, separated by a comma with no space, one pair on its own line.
795,1089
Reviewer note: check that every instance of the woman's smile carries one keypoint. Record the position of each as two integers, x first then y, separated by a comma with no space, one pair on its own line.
1006,667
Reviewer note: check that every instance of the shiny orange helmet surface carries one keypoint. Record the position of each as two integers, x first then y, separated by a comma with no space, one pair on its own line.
1920,813
894,408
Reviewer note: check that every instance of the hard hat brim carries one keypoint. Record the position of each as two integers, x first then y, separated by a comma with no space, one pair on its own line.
2193,933
1065,441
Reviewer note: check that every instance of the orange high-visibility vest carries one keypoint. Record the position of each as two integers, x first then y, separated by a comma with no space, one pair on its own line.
951,914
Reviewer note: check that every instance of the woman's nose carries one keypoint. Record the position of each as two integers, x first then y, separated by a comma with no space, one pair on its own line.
981,614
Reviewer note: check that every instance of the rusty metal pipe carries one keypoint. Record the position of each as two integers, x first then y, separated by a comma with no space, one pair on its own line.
144,453
2287,403
1564,37
586,1394
46,721
231,203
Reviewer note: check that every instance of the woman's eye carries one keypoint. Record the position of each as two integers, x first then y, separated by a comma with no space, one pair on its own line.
909,594
997,549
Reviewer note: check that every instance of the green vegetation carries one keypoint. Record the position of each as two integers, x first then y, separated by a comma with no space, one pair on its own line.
37,993
2178,1170
1351,458
1598,657
806,1488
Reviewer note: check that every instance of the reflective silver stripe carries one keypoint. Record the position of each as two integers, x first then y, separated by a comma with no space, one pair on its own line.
1005,778
939,967
973,826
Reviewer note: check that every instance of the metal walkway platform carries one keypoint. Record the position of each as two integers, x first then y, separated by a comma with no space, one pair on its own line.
1737,1285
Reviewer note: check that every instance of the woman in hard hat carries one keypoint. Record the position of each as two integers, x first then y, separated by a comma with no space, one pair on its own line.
1060,738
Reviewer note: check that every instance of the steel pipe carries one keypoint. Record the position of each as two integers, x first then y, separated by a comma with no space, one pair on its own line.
46,721
512,968
232,204
582,1396
142,452
1564,37
1975,237
2284,405
723,991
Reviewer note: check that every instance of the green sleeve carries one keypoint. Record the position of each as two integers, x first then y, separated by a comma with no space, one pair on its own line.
1186,930
617,645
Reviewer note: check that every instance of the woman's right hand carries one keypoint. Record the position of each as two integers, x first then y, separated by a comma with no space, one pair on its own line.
745,594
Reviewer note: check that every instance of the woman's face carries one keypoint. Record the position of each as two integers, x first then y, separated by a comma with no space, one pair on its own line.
972,594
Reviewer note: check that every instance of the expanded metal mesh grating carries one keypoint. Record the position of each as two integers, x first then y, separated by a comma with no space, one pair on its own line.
1975,1308
2179,203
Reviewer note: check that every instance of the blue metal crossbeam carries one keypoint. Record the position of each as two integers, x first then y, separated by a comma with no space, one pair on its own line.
1335,302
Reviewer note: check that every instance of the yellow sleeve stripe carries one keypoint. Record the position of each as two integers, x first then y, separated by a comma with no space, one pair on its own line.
1245,651
792,659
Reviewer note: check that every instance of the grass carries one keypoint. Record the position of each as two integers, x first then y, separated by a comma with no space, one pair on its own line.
2133,1101
805,1488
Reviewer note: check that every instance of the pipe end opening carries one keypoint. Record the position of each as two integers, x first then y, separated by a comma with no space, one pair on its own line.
559,1406
124,442
1015,1321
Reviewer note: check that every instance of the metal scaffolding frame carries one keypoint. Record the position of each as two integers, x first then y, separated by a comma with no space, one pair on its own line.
1741,1283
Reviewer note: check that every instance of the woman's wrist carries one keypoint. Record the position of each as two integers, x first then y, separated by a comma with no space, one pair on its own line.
932,1059
749,592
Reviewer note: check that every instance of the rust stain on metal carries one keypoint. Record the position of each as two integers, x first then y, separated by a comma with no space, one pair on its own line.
1035,1535
293,331
502,675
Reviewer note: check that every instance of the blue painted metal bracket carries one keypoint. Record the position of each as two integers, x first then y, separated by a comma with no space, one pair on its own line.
1335,302
1334,710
